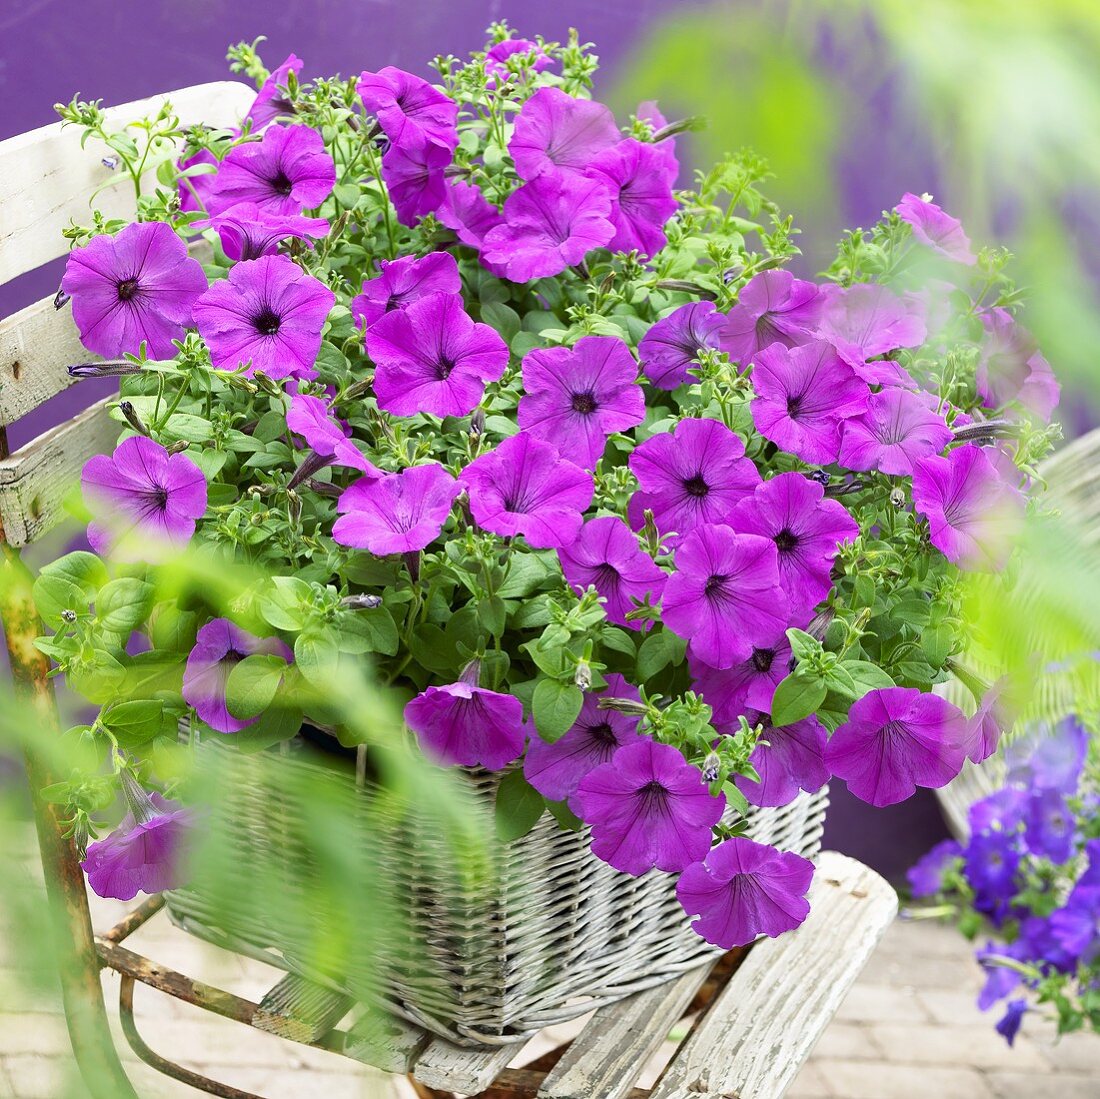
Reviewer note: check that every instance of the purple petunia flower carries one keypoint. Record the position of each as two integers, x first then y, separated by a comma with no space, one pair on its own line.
575,397
549,225
1000,980
1049,826
1009,1026
802,395
807,530
286,172
219,647
141,855
639,179
1011,368
271,102
466,725
247,232
744,889
991,860
1001,811
747,685
606,556
556,133
648,807
895,432
926,875
865,320
648,111
1074,927
497,56
1049,758
935,228
673,344
973,512
139,286
410,111
556,770
988,722
725,596
414,177
405,280
787,759
311,418
146,502
694,475
467,212
432,357
896,739
398,512
773,307
268,314
523,487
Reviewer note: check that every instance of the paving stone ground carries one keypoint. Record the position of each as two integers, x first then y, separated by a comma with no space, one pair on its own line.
908,1029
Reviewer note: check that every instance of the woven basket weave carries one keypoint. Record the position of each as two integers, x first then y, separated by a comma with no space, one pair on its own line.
552,934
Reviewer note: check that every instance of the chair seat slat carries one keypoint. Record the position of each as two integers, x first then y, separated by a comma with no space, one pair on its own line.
469,1071
300,1010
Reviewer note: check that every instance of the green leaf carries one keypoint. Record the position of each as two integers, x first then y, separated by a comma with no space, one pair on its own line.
503,318
287,606
134,723
804,646
518,807
252,684
555,707
866,676
492,614
69,583
565,816
736,800
316,653
123,605
937,643
347,194
367,631
913,612
526,572
277,723
658,651
797,697
839,679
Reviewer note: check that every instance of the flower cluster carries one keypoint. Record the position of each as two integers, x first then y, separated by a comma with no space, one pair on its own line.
1029,877
486,393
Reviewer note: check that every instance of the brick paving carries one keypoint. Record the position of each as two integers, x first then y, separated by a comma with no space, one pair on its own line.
908,1030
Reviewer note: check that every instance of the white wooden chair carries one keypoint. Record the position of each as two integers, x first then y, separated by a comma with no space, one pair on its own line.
757,1012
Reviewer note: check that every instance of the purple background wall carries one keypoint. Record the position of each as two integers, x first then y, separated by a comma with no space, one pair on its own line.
124,51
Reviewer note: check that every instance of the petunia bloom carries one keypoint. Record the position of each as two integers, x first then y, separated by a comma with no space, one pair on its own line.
523,487
802,396
1049,827
311,418
271,102
432,357
467,212
896,739
466,725
895,432
575,397
398,512
671,347
1009,1024
145,501
648,807
500,53
985,727
549,225
787,758
248,232
606,556
807,530
1012,370
556,770
267,314
648,111
639,179
410,111
926,875
287,171
694,475
1049,757
744,889
219,647
773,307
414,177
558,133
935,228
747,685
973,512
141,855
725,596
139,286
405,280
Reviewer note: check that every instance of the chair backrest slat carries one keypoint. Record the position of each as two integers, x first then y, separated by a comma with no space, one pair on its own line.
47,179
35,481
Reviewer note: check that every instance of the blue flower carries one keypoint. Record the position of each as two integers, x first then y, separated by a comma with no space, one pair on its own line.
1009,1026
1049,758
991,862
926,876
1049,828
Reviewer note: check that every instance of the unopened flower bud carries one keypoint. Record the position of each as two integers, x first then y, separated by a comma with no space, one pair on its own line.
110,162
80,836
361,602
138,801
132,418
477,422
711,766
68,616
897,498
821,476
358,389
61,299
582,678
293,506
178,447
623,706
730,274
110,368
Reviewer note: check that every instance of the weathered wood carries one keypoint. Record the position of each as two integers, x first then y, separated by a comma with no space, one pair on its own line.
607,1056
300,1010
46,179
445,1065
35,480
522,1083
384,1041
766,1021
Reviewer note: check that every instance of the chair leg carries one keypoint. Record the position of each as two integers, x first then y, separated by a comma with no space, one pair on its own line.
73,942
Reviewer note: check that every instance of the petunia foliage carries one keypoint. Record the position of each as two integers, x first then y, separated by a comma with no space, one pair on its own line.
483,392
